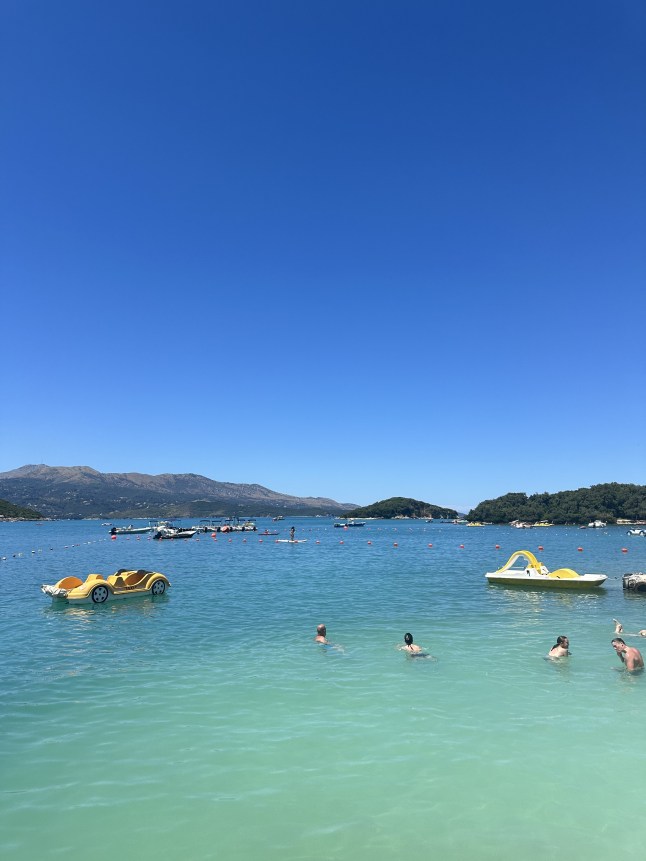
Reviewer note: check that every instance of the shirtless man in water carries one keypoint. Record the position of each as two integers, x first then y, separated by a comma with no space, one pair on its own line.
628,655
321,634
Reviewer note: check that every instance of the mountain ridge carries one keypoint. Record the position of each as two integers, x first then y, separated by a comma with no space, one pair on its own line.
82,491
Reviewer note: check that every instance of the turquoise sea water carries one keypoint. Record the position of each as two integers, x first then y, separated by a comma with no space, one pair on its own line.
206,723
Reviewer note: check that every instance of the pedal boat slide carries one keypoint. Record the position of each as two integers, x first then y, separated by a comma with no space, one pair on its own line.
534,573
95,589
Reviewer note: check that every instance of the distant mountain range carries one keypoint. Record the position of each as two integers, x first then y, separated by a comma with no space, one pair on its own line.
80,491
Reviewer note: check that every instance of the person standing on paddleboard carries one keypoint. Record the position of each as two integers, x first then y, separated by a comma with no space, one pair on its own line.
291,534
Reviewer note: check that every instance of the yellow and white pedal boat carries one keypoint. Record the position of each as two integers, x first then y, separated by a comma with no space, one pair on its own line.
95,589
534,573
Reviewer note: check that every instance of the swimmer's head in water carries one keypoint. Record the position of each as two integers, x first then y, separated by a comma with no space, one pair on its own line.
562,641
408,639
321,630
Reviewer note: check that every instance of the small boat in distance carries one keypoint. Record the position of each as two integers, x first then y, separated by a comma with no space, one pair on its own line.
131,530
597,524
349,522
641,532
534,574
168,530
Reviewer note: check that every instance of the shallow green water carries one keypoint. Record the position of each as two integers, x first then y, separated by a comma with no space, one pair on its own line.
206,724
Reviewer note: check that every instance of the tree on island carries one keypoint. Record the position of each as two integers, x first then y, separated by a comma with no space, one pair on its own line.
607,502
400,506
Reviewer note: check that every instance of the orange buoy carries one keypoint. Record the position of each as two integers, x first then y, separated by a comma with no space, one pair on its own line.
497,546
579,549
624,550
540,546
113,537
430,545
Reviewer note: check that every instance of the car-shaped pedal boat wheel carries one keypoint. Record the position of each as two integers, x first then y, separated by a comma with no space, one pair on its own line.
96,589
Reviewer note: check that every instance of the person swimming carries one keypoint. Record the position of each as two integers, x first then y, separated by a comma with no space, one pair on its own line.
628,655
321,635
619,629
412,648
560,649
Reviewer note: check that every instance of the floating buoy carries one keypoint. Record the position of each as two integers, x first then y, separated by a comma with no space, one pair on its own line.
113,537
244,540
579,549
340,542
430,545
540,546
624,550
395,544
462,546
498,547
260,540
318,542
370,542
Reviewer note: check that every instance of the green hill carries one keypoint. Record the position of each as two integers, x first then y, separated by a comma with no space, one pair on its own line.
400,506
9,511
600,502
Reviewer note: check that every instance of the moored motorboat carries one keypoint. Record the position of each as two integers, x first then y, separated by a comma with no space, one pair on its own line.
131,530
534,573
635,582
641,532
166,531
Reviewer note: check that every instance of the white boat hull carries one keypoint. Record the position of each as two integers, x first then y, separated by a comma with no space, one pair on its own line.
544,581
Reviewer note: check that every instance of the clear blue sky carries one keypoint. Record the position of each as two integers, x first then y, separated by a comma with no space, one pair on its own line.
346,249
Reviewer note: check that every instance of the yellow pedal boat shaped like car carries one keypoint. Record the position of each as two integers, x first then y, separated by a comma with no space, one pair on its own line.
96,589
534,573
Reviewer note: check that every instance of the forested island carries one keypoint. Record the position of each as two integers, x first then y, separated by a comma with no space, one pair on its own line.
9,511
608,502
399,506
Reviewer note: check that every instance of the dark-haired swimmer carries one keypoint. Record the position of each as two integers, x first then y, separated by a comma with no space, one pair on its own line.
628,655
560,649
412,648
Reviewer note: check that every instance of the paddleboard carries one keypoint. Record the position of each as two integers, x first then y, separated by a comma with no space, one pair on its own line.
289,541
